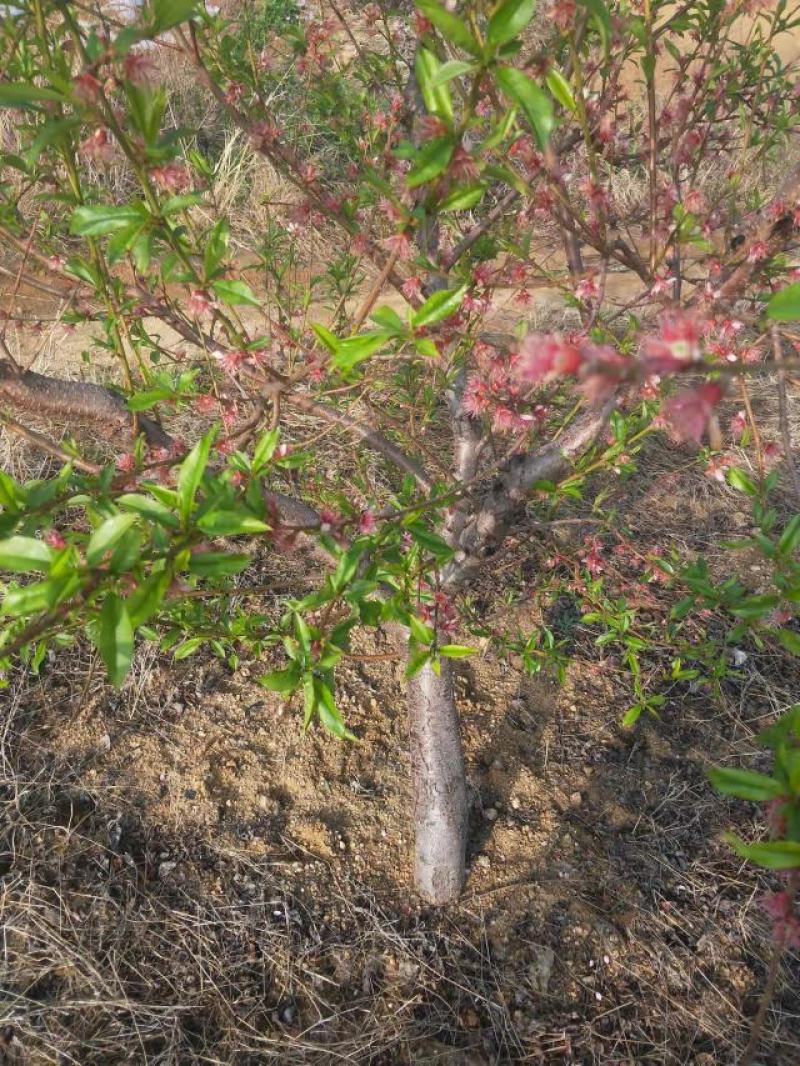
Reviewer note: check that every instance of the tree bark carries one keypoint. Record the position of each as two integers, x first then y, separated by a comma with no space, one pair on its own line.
440,789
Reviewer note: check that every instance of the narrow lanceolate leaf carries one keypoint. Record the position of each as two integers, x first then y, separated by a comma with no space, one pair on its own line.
790,640
191,474
24,95
451,27
785,305
601,17
433,160
99,219
509,21
774,854
114,638
235,293
22,554
746,784
561,89
536,104
231,523
106,536
439,306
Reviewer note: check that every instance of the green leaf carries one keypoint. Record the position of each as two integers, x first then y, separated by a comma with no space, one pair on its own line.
436,96
31,599
452,69
180,202
283,681
420,631
746,784
354,350
187,648
432,160
330,341
774,854
235,293
190,474
439,306
739,480
114,638
217,564
785,305
425,347
143,401
230,523
153,510
561,89
145,600
94,221
216,247
22,554
417,661
23,95
455,651
632,715
168,13
432,542
536,104
462,197
790,538
509,21
790,640
387,318
329,713
450,26
106,536
601,19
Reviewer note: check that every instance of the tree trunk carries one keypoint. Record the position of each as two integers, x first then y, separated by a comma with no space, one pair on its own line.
440,785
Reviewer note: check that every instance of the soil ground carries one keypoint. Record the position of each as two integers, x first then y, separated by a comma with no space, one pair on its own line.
186,878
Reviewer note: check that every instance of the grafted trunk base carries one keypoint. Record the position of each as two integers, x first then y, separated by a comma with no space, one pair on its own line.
440,788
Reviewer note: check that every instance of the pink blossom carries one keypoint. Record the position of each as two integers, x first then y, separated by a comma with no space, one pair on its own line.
504,420
53,539
662,285
717,465
140,69
309,173
430,127
98,147
562,12
367,523
773,453
463,166
126,463
759,250
688,413
206,404
234,93
412,288
785,921
586,290
231,361
399,244
263,134
738,424
86,88
200,303
542,358
172,177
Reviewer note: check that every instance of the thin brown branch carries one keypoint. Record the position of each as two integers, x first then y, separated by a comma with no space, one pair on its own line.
44,444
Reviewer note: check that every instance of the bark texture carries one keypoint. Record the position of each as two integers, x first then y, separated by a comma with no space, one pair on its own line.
440,790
